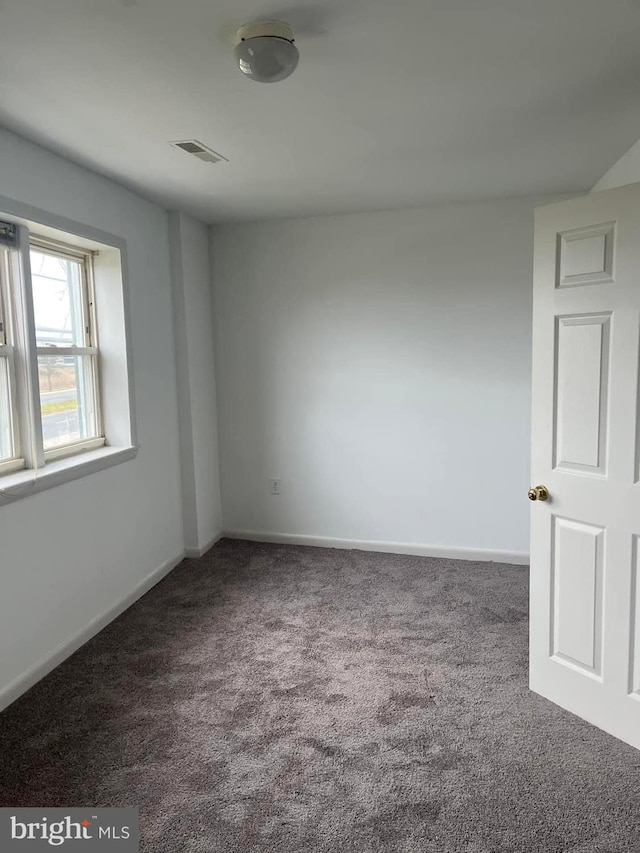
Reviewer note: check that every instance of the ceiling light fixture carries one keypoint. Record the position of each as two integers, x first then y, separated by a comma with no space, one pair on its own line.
265,52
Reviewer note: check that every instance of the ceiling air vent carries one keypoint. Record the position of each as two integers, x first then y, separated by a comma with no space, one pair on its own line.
192,146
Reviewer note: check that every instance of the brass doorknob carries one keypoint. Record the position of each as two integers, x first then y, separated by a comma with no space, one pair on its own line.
539,493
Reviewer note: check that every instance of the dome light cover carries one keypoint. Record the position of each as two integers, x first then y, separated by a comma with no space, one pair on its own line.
265,52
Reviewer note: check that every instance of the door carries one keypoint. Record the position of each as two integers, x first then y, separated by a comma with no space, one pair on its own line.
585,555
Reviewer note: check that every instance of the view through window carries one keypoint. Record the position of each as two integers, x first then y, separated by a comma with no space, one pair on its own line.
67,356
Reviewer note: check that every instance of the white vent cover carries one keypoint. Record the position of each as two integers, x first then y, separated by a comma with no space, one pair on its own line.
197,149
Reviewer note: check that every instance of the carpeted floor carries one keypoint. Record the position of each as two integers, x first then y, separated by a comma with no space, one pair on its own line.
282,699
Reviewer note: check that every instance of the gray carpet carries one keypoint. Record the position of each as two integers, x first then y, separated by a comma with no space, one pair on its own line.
276,698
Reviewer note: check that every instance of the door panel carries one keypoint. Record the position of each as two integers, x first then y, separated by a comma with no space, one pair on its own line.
585,596
585,256
576,602
634,669
582,384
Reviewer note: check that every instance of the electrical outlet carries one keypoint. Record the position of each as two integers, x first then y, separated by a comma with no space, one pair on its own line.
274,487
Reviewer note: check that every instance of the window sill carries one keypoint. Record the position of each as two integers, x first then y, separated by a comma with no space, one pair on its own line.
23,484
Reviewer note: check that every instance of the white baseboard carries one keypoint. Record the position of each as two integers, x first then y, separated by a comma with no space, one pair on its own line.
520,558
44,666
201,550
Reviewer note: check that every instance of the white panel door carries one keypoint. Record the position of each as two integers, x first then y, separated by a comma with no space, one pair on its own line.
585,559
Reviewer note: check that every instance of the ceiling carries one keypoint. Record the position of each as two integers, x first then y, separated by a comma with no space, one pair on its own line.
394,104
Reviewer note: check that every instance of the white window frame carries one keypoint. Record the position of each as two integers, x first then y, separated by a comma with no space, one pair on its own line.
35,470
8,355
85,257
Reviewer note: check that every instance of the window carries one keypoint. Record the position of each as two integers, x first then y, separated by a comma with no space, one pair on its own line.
47,310
9,437
64,377
66,346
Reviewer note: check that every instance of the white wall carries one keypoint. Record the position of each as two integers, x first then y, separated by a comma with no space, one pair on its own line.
71,554
191,277
379,364
625,171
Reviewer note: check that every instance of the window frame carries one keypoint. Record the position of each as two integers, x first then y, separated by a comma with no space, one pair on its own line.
8,355
117,380
85,257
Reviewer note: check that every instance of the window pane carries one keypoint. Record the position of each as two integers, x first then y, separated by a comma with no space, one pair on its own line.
67,399
57,300
7,450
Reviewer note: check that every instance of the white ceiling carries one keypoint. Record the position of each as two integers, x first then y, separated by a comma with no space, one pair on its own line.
394,104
